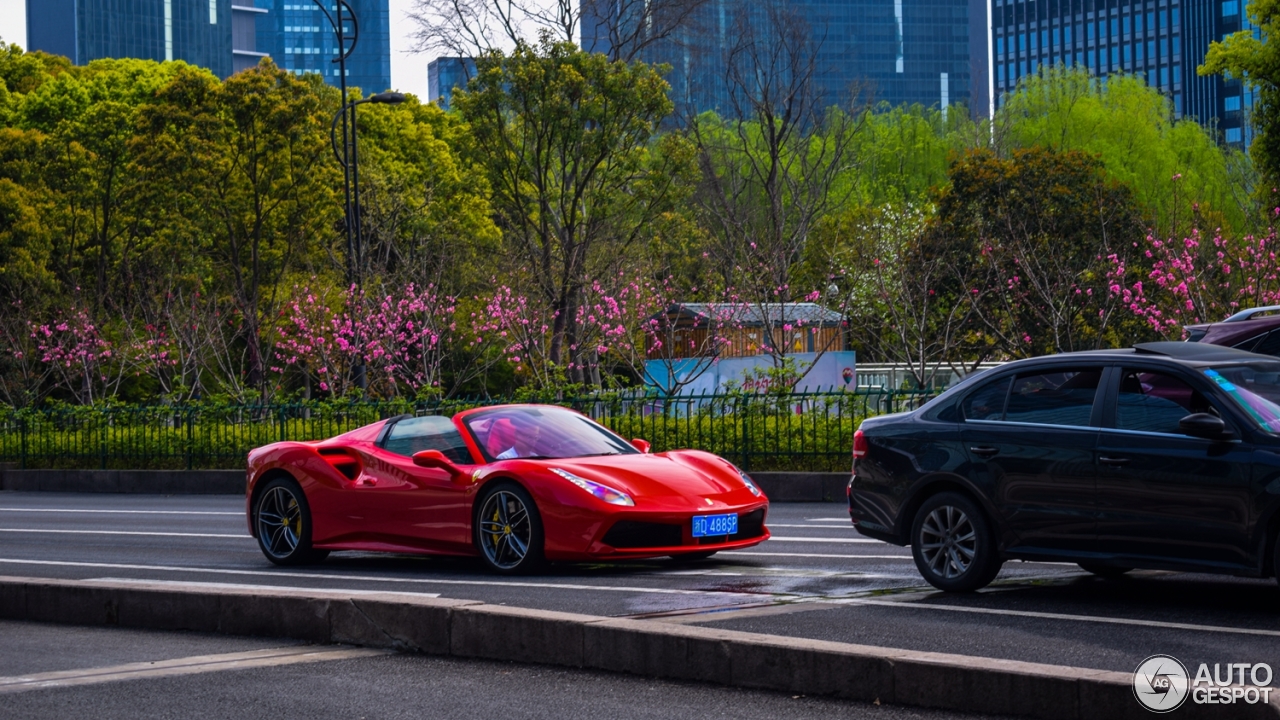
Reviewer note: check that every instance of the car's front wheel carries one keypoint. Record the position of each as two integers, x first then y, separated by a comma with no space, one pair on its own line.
508,529
953,545
283,520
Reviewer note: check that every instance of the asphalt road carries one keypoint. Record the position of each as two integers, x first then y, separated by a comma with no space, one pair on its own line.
107,673
817,578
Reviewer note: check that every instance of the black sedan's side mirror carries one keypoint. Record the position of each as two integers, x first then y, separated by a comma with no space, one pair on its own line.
1204,425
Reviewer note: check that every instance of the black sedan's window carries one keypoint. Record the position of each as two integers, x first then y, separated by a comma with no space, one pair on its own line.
987,402
1057,397
413,435
1155,402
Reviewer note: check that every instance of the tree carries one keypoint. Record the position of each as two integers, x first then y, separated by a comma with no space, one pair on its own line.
1255,60
1131,129
771,168
248,181
568,142
619,29
914,292
1045,223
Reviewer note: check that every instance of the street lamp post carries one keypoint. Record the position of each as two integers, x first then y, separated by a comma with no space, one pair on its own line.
346,152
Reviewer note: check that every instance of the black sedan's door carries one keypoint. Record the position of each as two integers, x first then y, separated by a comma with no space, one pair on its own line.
1163,494
1034,454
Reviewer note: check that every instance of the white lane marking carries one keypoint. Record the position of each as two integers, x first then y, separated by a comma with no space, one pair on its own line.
182,666
373,578
917,605
843,520
827,540
810,527
244,586
817,555
122,512
124,532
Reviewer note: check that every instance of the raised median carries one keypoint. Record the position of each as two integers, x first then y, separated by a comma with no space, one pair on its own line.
463,628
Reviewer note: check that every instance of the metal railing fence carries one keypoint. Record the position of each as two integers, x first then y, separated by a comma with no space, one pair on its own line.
800,431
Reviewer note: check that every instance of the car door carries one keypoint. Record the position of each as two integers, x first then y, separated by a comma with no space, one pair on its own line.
1031,439
1163,494
406,504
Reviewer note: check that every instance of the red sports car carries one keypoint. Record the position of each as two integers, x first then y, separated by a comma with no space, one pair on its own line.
513,484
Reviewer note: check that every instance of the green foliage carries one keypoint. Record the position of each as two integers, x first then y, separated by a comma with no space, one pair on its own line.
759,432
1256,60
1130,128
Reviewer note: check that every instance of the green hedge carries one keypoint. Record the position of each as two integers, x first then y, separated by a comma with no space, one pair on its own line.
799,432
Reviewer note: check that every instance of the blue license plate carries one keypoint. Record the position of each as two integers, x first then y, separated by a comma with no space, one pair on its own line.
714,525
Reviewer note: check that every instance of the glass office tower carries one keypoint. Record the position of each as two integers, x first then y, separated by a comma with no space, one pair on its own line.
197,31
296,34
1161,41
931,52
444,74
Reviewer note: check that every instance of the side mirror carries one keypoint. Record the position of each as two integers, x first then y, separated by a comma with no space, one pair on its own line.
641,445
1204,425
435,459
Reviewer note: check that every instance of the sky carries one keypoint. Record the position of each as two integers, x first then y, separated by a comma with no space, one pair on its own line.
408,70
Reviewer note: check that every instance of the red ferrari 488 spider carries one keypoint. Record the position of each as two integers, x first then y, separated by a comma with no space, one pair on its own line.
513,484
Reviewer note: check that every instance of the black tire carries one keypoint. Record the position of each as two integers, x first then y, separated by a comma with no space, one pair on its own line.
953,545
282,519
1104,571
693,557
507,530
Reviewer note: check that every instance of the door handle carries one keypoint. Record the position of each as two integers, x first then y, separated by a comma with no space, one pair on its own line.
1114,460
984,451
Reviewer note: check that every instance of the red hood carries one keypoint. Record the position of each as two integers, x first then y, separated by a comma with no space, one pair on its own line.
675,474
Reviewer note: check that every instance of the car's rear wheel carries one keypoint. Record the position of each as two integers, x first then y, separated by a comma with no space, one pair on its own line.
508,529
1104,571
283,520
952,544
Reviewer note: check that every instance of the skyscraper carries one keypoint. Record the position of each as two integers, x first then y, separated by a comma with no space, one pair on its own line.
1161,41
225,36
445,74
197,31
300,39
922,51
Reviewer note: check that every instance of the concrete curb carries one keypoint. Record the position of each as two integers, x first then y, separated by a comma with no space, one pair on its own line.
463,628
778,486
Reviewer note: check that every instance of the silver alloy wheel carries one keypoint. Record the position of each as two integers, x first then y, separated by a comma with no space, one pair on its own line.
948,542
279,522
505,529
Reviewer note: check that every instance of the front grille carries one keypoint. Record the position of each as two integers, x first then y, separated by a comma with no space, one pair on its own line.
633,534
750,526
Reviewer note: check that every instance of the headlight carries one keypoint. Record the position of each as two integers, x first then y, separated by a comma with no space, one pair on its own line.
604,492
751,484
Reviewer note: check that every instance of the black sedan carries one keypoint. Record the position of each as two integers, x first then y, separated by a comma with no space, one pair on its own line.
1163,456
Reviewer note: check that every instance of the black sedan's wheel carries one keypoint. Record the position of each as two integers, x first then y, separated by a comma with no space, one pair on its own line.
284,524
952,544
508,529
1104,571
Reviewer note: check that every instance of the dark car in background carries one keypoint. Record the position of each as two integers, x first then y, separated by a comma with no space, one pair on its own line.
1165,456
1256,330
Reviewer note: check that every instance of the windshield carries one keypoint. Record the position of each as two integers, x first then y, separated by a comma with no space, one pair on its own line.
1255,389
541,432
